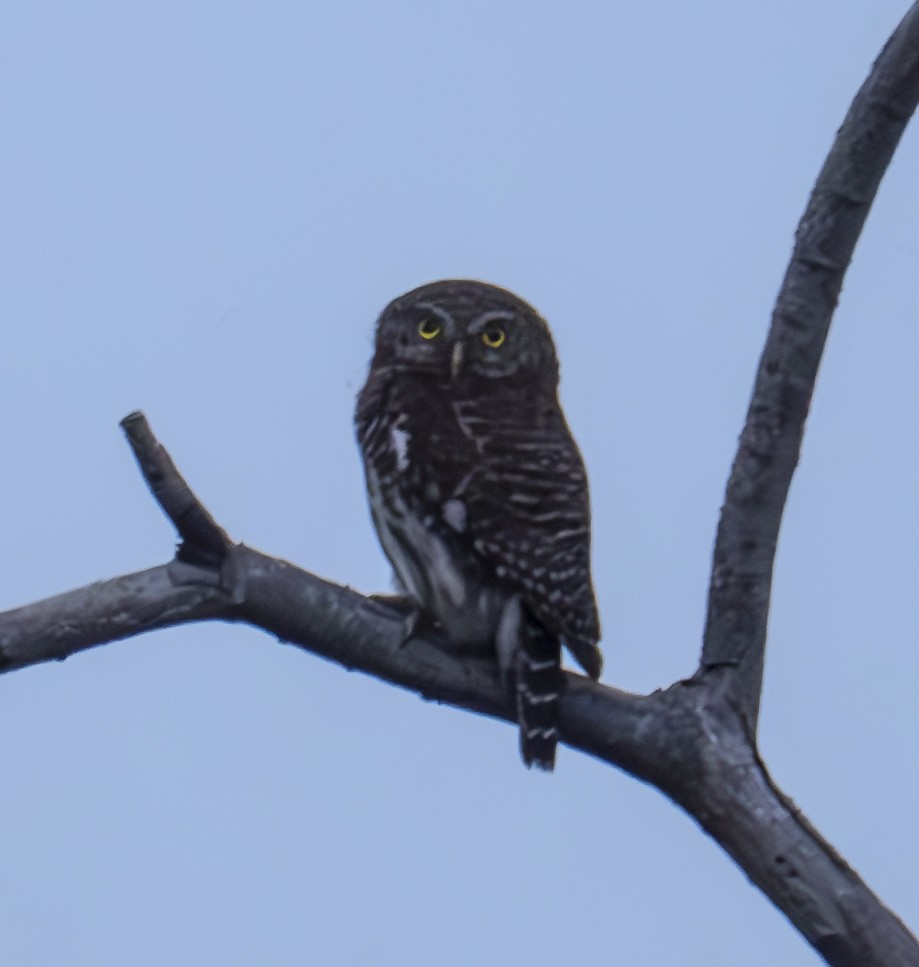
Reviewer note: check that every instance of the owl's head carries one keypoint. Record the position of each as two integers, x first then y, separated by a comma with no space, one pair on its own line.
459,328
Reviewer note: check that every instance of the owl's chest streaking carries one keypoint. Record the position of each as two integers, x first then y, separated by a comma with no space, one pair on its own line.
419,463
478,495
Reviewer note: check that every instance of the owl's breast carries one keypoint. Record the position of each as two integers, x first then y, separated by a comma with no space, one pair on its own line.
447,582
417,456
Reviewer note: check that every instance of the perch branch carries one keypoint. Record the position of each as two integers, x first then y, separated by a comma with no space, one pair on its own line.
695,740
681,740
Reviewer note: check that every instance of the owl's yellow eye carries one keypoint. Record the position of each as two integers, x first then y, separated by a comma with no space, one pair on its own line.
493,337
429,328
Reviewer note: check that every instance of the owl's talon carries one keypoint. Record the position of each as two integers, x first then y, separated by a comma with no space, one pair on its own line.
399,602
418,624
409,627
413,618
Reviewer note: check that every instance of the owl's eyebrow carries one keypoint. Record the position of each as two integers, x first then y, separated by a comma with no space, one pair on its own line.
437,310
495,315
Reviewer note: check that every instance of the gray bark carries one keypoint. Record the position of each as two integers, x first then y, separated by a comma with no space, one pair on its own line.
696,740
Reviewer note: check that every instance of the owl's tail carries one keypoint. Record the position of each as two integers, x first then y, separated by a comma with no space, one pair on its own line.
539,684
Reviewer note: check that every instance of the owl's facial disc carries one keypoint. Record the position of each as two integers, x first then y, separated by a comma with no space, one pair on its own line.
457,330
478,349
491,337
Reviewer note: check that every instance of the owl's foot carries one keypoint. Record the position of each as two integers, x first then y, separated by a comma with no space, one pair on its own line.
419,624
399,602
416,623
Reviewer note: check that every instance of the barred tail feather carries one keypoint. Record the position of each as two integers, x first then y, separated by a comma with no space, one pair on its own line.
539,684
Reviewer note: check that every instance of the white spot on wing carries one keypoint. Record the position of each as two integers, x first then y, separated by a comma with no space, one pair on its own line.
399,439
454,513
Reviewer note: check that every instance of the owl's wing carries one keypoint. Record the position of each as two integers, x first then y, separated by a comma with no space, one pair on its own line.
505,477
527,510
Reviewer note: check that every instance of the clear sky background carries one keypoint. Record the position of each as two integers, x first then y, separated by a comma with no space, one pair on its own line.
203,209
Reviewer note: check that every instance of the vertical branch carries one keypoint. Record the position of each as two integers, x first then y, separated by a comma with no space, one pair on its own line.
767,454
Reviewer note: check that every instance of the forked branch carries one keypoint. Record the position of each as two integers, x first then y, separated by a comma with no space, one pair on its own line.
695,741
686,740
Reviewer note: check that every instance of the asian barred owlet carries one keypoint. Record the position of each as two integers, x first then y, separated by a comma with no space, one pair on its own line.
478,491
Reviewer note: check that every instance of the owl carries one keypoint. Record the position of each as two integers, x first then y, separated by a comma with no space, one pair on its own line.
478,492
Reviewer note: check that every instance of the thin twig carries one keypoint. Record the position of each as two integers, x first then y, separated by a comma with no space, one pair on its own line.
203,541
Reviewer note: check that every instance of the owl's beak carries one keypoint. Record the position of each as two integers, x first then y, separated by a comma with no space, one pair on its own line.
456,359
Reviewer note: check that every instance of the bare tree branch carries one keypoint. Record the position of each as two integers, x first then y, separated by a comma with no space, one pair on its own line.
686,740
695,741
767,454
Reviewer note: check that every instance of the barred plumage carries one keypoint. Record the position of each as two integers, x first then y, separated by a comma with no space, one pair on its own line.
478,491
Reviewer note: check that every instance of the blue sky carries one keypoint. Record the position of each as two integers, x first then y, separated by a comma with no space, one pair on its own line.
204,208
